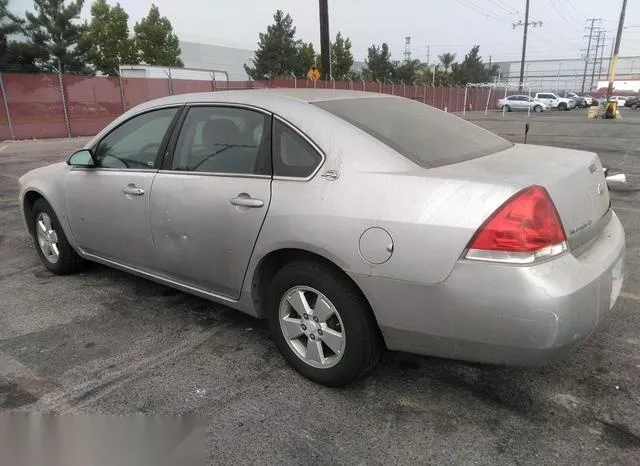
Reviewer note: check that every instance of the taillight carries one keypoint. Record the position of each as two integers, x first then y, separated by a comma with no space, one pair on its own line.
524,229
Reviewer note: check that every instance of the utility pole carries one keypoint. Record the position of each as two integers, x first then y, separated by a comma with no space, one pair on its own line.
616,50
325,61
428,54
586,59
524,41
595,58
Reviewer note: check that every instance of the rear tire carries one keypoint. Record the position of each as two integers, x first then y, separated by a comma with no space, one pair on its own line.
562,106
537,109
52,245
322,324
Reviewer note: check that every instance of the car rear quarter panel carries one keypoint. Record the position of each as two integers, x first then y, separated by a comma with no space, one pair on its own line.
429,217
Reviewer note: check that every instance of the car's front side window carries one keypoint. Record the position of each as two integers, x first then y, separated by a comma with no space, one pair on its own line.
218,139
135,143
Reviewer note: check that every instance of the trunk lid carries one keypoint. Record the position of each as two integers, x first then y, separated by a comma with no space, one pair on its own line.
574,179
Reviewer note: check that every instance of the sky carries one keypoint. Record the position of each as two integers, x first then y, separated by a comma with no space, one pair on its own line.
435,26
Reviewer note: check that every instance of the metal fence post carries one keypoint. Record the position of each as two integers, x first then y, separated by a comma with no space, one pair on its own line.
364,85
170,82
295,80
379,84
464,104
120,83
64,99
424,93
6,107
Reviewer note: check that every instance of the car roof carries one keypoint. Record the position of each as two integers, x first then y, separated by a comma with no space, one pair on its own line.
265,97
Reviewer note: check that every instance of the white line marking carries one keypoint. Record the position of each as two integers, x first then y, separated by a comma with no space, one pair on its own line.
630,209
7,175
3,147
627,295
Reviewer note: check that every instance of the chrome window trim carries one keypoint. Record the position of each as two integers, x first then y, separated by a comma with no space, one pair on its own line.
314,146
221,174
229,104
106,169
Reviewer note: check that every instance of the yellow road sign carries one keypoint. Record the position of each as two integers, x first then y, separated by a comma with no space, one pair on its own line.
313,73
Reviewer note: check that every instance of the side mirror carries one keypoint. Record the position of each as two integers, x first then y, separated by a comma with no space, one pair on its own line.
82,158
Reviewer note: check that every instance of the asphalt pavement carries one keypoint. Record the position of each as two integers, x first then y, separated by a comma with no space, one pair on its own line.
104,342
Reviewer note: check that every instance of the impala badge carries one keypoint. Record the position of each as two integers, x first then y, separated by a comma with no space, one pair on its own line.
600,189
592,167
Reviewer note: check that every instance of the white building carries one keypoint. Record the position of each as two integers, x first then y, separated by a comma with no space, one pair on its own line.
569,74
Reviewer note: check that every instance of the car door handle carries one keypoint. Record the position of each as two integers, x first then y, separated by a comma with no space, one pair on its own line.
133,190
247,202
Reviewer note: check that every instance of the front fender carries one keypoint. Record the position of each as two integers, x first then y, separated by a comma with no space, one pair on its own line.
46,182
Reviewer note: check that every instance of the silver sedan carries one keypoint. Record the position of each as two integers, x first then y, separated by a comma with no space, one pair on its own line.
351,221
522,102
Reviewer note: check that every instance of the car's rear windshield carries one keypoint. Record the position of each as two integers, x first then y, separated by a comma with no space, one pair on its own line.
428,136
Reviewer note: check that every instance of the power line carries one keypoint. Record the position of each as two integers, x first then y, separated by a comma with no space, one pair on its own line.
568,22
494,2
480,10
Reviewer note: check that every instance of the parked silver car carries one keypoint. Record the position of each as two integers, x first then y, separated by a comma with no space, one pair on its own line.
522,102
351,221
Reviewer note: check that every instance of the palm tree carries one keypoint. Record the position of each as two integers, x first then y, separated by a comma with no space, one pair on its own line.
447,60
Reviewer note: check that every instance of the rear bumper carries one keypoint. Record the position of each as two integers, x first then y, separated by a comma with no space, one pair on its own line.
502,314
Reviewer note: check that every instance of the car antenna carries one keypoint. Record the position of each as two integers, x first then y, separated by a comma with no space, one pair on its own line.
526,130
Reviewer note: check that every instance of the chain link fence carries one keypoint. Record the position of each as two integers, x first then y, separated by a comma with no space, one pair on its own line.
54,105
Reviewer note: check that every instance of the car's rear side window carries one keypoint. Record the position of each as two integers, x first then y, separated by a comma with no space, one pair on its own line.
428,136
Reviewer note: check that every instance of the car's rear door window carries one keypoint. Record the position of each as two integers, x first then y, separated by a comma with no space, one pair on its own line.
218,139
425,135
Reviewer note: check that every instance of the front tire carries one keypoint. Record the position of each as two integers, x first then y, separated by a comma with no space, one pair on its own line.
52,245
562,106
322,324
506,108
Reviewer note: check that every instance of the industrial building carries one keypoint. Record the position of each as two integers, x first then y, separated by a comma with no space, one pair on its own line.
571,75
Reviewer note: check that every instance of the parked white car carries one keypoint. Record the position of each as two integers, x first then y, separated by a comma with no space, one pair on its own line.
522,102
618,98
555,101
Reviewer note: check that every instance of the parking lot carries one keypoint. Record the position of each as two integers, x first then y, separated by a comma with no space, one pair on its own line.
107,342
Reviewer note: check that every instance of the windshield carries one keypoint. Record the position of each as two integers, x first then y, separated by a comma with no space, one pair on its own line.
425,135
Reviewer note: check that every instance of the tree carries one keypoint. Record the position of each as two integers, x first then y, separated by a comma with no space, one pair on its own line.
156,42
16,56
408,70
379,66
107,38
447,59
278,52
9,24
472,69
306,59
341,57
54,29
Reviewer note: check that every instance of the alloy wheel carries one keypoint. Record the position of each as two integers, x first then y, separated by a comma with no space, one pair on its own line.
312,327
47,238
